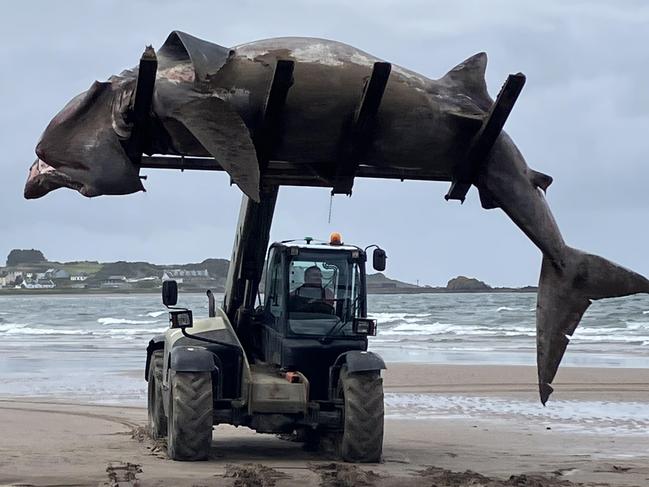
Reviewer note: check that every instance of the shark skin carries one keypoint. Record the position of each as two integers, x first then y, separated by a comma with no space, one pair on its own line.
208,102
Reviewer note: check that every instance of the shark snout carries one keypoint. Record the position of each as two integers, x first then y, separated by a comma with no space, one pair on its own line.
43,178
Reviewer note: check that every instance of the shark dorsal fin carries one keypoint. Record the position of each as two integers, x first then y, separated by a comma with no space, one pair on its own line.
206,57
469,77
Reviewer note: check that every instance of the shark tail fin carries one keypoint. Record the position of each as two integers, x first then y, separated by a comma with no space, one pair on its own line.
565,292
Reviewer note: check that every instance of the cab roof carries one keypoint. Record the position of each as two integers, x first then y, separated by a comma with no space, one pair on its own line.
314,245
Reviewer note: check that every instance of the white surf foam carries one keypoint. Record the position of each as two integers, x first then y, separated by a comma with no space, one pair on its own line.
112,332
421,329
46,331
122,321
131,331
437,328
155,314
591,417
383,317
12,326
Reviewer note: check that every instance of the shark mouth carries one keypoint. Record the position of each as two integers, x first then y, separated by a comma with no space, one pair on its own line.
43,178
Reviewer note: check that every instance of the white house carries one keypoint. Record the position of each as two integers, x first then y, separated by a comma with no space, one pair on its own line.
115,282
182,275
45,284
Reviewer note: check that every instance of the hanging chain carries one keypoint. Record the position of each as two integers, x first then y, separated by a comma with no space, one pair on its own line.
331,201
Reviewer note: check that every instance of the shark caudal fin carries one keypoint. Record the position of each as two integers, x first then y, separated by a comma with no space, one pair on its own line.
565,292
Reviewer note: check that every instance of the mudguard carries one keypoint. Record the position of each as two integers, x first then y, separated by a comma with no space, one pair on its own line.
156,343
356,361
360,361
191,359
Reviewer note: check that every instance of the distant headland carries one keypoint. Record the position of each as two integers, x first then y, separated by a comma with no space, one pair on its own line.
29,271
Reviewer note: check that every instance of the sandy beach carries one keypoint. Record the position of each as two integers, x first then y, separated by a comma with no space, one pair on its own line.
59,442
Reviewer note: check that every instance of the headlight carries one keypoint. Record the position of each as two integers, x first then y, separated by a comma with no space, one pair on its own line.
180,319
364,326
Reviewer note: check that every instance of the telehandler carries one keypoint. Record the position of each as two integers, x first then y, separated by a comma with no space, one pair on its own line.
296,363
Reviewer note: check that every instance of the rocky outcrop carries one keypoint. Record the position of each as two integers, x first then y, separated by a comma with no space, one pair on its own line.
462,283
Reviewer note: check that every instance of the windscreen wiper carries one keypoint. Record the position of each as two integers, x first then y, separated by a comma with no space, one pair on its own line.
327,337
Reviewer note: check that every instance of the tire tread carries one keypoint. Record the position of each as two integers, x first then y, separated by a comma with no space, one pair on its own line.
190,425
362,438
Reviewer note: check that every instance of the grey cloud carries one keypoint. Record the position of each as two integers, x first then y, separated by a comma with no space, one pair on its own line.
582,117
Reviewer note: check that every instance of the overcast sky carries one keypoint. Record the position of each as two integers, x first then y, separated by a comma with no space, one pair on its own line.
583,117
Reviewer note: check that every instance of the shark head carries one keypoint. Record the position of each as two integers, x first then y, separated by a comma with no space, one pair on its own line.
85,145
81,148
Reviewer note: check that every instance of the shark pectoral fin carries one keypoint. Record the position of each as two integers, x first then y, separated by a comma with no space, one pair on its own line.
540,180
221,131
564,294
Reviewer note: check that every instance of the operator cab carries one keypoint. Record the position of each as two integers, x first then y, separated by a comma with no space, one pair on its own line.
315,306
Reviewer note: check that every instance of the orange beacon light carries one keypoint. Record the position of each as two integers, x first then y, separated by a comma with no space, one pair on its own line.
335,238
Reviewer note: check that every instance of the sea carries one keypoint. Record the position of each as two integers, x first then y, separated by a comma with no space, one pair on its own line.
91,348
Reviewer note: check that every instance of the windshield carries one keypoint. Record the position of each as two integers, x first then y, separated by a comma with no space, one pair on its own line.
324,293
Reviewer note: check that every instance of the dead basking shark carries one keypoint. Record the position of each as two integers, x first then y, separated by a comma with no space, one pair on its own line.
209,101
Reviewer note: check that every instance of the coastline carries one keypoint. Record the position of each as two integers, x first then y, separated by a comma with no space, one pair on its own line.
58,441
80,292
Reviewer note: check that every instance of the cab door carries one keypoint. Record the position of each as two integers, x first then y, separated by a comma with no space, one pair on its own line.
274,307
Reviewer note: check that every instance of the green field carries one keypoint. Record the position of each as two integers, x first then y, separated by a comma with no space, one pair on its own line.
78,267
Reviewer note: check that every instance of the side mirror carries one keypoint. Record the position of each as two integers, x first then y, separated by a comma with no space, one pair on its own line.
169,293
211,305
378,259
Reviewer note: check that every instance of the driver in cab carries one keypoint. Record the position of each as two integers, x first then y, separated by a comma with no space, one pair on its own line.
312,289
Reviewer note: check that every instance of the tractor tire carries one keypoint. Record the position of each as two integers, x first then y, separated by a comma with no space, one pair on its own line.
190,416
362,437
157,418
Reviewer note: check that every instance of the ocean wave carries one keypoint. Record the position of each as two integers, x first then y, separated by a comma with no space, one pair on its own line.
12,326
131,331
431,346
398,316
508,308
46,331
438,328
122,321
637,325
113,332
155,314
608,338
423,329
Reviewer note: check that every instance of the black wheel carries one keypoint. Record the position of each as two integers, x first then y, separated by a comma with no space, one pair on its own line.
157,418
190,416
362,437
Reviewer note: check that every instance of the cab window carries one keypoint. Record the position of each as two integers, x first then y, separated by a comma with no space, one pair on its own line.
324,292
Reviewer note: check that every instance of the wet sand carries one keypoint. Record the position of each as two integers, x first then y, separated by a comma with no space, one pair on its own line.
54,442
